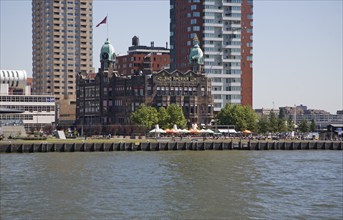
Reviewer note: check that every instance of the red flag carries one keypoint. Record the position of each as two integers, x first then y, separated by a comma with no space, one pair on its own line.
102,22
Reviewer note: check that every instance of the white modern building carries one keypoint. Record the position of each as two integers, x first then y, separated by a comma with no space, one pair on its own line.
36,111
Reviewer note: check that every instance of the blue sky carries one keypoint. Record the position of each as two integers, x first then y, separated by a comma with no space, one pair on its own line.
298,49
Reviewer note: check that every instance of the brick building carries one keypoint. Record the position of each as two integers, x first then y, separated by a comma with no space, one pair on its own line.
111,97
133,62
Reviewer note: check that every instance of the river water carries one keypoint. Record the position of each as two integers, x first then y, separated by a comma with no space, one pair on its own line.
173,185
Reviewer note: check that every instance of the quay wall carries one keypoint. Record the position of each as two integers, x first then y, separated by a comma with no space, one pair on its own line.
166,146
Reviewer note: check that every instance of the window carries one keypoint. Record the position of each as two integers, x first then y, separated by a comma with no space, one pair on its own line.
196,14
196,28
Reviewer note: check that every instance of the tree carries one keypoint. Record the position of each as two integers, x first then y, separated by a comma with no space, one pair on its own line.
145,115
176,116
229,115
273,122
282,125
163,117
251,118
290,124
303,126
263,124
312,125
243,117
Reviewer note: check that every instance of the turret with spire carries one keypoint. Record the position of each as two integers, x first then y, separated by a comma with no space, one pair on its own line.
107,56
196,56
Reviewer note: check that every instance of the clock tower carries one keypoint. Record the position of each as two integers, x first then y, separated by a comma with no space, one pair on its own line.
107,56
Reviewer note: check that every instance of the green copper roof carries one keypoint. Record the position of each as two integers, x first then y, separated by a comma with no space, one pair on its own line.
196,55
109,49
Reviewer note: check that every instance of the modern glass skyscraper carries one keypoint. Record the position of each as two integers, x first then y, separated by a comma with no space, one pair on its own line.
62,45
224,29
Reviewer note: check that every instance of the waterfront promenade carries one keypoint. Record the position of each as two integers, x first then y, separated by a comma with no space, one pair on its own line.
139,145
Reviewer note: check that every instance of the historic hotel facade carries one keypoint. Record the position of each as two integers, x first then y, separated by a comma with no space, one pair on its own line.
109,98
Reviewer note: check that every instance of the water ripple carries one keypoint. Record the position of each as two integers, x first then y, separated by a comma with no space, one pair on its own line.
173,185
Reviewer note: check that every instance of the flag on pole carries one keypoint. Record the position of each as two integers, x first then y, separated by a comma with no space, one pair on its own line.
102,22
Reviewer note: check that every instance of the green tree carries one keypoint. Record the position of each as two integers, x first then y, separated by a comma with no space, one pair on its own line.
176,116
273,122
290,124
312,125
282,125
263,124
303,126
145,115
228,116
242,117
251,118
163,118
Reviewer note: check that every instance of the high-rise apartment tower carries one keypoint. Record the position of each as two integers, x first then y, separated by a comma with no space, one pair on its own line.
224,29
62,45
